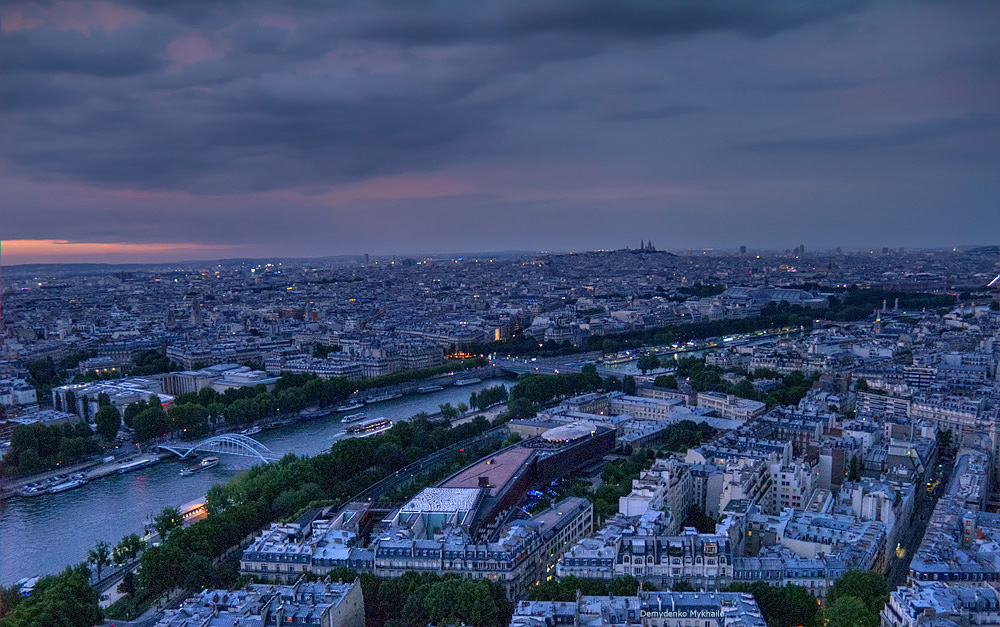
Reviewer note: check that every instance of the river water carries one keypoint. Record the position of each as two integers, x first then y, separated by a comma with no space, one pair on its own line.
44,534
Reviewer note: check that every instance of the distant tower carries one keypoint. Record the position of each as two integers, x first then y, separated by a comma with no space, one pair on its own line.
895,305
743,250
802,249
366,259
642,245
884,306
878,323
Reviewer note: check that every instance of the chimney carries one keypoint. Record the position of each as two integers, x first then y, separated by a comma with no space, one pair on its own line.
484,482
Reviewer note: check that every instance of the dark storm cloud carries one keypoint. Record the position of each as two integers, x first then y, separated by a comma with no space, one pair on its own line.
451,22
327,113
132,50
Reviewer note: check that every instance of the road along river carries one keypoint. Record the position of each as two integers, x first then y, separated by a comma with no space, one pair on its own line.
44,534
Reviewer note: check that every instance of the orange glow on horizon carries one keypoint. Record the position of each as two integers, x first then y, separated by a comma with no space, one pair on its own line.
56,251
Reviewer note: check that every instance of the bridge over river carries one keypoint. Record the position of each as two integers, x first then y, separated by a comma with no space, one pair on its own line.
225,444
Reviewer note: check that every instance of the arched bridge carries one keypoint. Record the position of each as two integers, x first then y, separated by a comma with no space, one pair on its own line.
227,444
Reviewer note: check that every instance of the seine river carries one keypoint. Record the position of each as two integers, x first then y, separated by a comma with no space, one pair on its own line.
43,535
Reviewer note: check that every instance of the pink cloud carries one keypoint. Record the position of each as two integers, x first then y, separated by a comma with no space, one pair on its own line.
13,19
279,21
79,16
402,187
189,50
946,93
194,48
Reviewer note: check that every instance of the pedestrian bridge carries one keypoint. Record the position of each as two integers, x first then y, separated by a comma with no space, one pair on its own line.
226,444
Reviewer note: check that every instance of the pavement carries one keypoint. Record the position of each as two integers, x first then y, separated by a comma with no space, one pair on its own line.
913,535
92,470
90,466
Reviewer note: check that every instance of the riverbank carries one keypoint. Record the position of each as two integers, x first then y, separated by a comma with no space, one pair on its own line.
52,531
94,468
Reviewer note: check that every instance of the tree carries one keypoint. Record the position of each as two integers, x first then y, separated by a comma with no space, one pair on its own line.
448,413
697,518
945,438
150,423
189,418
870,587
207,396
520,408
70,401
127,586
108,422
132,410
628,384
127,549
455,601
667,381
100,556
854,469
648,362
462,408
589,376
66,599
850,612
103,400
788,606
199,571
10,597
623,586
167,520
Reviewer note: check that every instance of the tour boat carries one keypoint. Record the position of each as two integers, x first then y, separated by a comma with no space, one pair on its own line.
312,412
66,485
208,462
142,463
370,428
349,407
383,397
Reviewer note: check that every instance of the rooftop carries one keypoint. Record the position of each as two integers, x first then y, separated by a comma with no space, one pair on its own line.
449,499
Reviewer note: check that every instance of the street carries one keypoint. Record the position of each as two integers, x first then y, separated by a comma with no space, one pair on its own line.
911,538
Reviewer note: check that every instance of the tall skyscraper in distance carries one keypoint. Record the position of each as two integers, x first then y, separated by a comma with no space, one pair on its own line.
366,259
743,250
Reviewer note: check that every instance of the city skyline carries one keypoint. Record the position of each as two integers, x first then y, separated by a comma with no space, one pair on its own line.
78,254
146,133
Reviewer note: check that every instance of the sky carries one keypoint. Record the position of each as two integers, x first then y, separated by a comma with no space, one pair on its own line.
144,130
